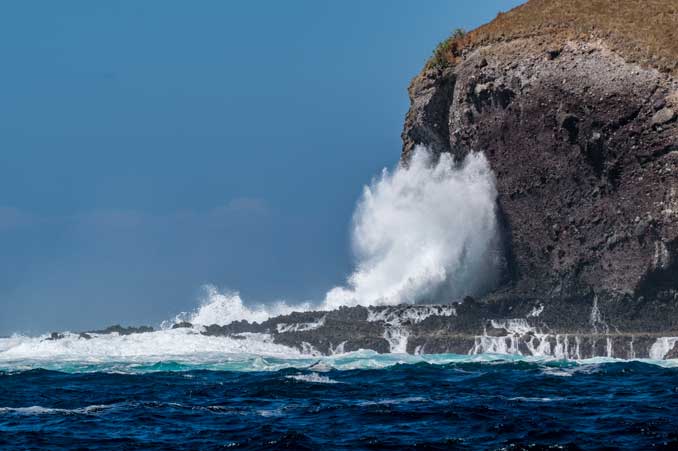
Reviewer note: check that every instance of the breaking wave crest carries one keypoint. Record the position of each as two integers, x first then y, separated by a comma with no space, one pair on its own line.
223,308
422,233
425,233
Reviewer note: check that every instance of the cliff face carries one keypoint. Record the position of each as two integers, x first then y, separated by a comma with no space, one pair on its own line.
584,145
575,104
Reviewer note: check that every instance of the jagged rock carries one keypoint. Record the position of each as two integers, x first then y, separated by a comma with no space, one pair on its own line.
498,332
673,353
642,227
581,143
576,116
663,116
122,330
576,329
215,330
55,336
236,327
182,325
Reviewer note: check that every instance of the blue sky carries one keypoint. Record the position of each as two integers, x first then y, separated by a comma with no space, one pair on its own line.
148,148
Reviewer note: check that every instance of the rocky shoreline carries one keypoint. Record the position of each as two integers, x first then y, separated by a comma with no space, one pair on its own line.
570,330
583,141
580,128
579,122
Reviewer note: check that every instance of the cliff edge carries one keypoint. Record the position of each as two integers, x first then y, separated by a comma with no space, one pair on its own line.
575,105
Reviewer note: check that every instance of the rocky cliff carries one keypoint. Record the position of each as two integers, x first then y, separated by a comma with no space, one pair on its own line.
574,104
576,111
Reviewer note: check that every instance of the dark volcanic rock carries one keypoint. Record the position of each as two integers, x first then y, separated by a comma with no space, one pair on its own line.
673,353
121,330
584,146
182,325
55,336
575,106
575,329
236,327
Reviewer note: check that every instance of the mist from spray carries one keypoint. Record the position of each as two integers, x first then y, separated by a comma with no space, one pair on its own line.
426,232
223,308
422,233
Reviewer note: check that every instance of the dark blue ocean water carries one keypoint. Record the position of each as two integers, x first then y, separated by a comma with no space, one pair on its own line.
465,405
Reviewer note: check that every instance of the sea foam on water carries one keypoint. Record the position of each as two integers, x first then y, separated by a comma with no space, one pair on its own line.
424,232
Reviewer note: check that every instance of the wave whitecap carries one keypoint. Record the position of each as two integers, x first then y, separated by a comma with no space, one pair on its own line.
426,232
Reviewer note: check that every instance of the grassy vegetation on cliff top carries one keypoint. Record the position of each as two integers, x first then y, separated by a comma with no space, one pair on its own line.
642,31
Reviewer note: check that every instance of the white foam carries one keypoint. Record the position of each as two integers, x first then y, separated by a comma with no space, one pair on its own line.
536,311
300,327
363,359
534,399
313,378
426,232
662,347
39,410
393,401
223,308
518,326
339,349
399,315
10,342
397,337
309,349
161,345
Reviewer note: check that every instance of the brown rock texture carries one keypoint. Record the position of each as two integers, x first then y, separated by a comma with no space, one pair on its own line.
575,104
579,126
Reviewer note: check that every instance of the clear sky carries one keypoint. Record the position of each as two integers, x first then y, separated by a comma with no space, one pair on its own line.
148,148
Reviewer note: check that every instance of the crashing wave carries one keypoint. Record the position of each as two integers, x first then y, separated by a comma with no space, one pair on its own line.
426,232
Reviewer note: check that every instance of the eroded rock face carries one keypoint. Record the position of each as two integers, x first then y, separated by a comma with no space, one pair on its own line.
121,330
584,146
566,329
585,150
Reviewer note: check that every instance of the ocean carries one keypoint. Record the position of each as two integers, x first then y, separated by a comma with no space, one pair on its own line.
353,401
180,389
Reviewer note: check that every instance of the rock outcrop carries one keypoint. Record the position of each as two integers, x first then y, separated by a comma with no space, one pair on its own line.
575,329
575,105
118,329
580,129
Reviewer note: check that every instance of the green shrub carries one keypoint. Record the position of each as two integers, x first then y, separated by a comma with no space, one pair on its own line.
446,51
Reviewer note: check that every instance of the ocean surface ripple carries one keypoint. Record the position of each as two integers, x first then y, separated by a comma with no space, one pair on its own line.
446,402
